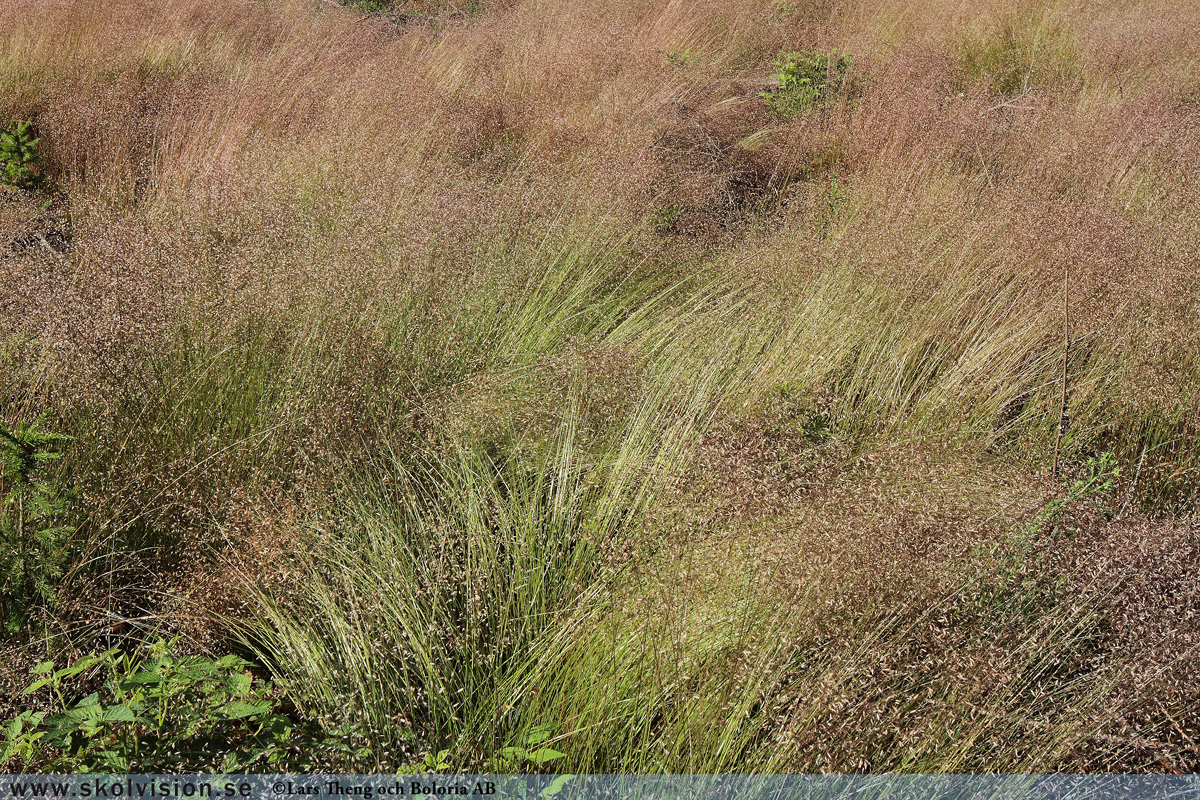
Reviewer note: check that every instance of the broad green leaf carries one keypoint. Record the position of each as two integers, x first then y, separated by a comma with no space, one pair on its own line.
142,678
45,666
119,714
538,734
84,713
556,787
240,709
60,726
543,755
14,729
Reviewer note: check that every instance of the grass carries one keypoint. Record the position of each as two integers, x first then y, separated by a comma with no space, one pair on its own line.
501,382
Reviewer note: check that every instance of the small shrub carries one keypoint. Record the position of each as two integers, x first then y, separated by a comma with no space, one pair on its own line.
530,756
33,547
1095,487
807,81
160,713
431,763
20,164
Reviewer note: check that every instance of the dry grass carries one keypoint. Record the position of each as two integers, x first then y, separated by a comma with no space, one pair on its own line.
300,274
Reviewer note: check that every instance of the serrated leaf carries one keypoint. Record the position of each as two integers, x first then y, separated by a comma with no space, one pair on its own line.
14,729
195,671
33,687
84,713
142,679
239,684
120,714
240,709
116,762
45,666
57,728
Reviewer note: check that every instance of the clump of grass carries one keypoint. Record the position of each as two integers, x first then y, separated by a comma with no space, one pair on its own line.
1019,55
458,577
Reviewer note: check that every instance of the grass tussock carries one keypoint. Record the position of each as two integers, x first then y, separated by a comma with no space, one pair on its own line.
512,374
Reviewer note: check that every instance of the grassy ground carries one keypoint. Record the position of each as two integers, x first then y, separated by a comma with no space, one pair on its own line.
488,371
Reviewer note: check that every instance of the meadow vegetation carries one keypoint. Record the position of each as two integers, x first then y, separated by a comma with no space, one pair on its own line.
599,385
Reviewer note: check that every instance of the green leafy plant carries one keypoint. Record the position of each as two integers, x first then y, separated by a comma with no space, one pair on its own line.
20,164
531,754
807,81
370,6
1095,486
156,712
431,763
680,58
833,198
33,547
666,218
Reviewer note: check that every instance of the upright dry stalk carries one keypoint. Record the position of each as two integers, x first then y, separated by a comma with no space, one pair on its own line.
1062,409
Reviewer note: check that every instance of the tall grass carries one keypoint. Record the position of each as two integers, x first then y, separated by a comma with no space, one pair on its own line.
497,371
467,604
